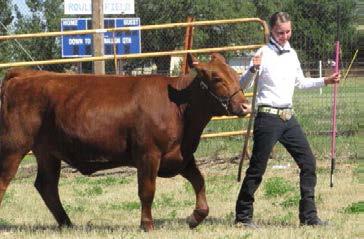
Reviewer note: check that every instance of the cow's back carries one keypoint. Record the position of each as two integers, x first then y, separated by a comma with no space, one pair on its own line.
91,118
86,106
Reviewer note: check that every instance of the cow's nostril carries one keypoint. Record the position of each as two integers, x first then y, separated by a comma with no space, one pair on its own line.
247,108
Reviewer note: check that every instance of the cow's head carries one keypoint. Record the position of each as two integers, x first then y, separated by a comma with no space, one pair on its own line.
221,83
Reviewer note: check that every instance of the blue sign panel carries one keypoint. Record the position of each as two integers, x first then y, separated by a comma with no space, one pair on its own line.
81,45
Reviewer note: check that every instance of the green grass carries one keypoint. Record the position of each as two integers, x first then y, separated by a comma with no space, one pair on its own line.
127,206
109,207
355,208
89,191
277,186
105,181
285,219
74,208
291,201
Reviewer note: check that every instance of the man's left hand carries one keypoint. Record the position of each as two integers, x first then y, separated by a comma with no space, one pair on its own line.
333,79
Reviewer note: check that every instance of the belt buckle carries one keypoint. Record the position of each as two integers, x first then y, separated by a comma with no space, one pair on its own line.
286,114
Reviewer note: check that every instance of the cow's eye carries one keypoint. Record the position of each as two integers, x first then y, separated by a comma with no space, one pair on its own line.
215,79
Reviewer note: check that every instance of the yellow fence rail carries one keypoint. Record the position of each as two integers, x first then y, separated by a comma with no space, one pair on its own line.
139,55
146,27
143,55
129,56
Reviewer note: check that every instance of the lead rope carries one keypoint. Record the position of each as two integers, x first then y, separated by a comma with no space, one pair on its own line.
247,136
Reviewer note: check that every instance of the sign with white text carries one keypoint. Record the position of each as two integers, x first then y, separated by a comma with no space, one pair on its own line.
81,45
84,7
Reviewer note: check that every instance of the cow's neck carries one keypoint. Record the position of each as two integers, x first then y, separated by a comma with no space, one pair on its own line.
195,120
196,117
188,94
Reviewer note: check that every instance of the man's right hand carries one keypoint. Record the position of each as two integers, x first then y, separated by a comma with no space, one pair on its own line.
257,59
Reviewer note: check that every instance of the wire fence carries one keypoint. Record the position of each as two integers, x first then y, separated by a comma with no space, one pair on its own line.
313,111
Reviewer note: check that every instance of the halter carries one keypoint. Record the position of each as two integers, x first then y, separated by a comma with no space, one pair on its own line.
223,100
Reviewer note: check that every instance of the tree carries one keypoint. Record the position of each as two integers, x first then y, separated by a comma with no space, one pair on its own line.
44,16
170,11
6,18
265,8
316,24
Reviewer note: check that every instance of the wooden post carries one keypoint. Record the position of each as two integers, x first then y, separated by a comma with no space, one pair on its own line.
80,70
98,38
188,45
116,65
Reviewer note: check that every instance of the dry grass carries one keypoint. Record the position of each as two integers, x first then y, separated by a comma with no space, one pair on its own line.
108,207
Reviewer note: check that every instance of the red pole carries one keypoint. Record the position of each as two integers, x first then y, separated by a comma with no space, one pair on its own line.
334,102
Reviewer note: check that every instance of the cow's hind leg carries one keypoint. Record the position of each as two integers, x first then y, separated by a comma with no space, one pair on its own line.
9,163
47,185
194,176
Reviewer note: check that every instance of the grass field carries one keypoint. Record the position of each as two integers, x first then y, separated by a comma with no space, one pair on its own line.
108,206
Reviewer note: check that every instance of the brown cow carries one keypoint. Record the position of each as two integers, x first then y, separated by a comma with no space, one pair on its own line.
95,122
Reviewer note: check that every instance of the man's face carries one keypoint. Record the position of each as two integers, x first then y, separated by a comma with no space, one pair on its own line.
282,32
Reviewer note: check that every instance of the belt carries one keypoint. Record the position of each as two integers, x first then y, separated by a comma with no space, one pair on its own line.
284,113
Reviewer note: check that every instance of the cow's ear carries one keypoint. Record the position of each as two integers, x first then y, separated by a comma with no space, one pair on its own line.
191,60
194,63
218,56
178,96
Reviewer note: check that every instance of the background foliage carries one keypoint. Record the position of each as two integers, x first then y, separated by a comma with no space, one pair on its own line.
6,18
315,27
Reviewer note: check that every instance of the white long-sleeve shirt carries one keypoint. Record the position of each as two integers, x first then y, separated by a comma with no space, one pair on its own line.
279,75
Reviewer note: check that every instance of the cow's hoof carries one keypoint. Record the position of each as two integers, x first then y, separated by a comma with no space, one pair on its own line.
147,226
197,217
65,226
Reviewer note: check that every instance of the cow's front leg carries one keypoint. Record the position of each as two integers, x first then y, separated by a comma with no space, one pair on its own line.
194,176
147,173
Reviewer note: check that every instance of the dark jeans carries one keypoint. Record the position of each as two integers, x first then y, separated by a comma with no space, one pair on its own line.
268,129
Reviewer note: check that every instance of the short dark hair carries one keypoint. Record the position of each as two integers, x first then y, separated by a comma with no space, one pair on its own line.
278,17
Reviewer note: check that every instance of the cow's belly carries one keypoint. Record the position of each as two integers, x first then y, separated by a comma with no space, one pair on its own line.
85,157
88,163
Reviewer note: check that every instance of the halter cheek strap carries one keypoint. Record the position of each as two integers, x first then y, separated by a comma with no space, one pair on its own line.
224,101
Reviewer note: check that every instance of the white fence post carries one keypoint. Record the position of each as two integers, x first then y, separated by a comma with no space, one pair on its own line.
320,74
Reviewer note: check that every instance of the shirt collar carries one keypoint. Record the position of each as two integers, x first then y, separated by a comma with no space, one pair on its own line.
278,48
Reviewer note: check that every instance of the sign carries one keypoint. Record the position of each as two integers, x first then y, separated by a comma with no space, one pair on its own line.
84,7
81,45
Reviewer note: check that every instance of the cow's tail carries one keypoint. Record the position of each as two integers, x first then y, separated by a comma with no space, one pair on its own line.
14,72
10,74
